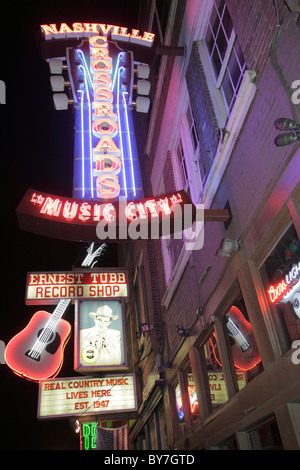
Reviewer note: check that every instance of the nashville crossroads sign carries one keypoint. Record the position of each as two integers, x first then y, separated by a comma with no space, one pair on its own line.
50,287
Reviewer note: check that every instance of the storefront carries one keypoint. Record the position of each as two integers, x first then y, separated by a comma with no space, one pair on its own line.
236,385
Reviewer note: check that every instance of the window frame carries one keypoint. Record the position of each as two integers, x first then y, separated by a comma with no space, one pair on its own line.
215,83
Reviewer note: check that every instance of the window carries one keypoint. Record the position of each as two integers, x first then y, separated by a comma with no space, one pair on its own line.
141,307
182,165
225,53
280,274
192,128
265,435
240,349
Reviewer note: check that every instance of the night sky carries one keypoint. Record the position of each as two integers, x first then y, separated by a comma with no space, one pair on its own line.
37,152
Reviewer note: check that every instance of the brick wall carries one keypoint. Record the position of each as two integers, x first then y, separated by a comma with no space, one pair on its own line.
254,23
254,164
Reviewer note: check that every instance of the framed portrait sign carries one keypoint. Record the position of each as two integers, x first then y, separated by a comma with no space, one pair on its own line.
99,336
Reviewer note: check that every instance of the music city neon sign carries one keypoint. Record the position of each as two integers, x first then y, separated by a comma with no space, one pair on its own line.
75,219
106,172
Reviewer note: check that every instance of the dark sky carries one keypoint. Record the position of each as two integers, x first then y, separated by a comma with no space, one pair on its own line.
36,151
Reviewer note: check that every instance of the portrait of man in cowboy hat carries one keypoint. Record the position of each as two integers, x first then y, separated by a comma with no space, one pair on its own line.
101,345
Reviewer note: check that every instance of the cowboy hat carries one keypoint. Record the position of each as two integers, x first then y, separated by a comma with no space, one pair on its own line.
104,311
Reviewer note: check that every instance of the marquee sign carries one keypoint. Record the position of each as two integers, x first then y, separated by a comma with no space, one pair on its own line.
49,287
87,396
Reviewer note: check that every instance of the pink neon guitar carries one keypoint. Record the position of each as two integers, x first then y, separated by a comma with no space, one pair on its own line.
36,353
244,350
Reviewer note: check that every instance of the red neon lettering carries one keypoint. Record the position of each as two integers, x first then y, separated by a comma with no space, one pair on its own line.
70,211
85,211
277,291
51,207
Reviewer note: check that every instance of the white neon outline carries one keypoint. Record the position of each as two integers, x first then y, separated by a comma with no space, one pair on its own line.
87,69
116,71
129,142
120,130
82,144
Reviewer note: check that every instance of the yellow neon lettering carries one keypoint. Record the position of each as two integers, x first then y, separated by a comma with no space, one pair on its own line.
149,37
77,28
98,41
64,28
49,29
135,34
90,27
107,28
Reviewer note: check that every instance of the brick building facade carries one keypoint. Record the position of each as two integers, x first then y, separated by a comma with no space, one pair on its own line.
218,365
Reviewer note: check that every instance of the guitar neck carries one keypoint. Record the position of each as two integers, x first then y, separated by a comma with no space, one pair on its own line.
58,312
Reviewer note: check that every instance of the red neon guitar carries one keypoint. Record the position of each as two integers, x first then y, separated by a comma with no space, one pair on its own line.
244,350
36,353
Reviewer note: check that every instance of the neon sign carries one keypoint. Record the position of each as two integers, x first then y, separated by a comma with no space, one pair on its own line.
88,436
91,395
276,292
77,30
75,219
101,75
48,287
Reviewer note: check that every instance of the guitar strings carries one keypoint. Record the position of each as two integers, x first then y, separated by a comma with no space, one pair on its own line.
235,331
42,340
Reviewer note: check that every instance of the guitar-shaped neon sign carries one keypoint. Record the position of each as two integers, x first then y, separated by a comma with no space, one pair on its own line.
244,350
37,352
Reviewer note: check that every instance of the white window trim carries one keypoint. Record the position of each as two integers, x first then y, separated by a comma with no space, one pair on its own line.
190,156
224,151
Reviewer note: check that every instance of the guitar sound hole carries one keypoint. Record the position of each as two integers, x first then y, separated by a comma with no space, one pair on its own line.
45,335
